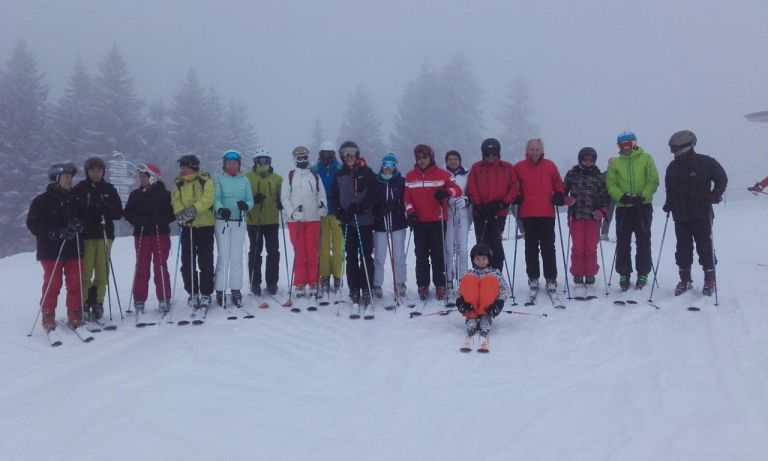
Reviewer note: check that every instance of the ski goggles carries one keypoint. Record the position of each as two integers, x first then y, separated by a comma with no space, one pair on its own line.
232,155
302,158
264,160
389,164
624,145
189,163
348,152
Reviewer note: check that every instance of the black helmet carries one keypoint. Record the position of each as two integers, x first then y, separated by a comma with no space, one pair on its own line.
587,151
481,249
682,140
94,162
491,146
346,145
58,169
190,161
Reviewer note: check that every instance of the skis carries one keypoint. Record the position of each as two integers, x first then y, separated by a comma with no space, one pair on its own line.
354,311
585,292
106,326
369,312
531,298
142,323
554,298
79,333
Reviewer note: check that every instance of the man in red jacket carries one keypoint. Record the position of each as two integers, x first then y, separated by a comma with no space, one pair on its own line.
491,187
426,189
541,190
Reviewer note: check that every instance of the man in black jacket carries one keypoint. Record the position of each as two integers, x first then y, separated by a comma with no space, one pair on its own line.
102,206
694,183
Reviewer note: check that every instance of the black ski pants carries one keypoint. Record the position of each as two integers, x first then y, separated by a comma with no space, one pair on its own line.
540,236
357,277
428,245
489,231
200,257
257,237
700,231
633,220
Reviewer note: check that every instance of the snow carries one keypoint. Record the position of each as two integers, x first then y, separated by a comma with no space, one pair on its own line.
595,381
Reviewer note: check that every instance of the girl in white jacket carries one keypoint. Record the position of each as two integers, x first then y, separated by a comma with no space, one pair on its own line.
303,200
457,226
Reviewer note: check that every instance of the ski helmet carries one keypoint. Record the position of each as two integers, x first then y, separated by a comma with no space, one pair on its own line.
327,146
626,136
424,149
490,146
190,161
481,249
348,147
682,141
299,151
150,169
262,156
57,169
587,151
94,162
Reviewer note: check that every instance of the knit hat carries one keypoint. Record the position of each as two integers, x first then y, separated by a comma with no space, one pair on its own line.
390,157
491,146
585,151
150,169
454,153
422,149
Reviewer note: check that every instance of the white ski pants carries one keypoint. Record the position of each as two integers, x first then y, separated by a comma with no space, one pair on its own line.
456,232
381,262
230,237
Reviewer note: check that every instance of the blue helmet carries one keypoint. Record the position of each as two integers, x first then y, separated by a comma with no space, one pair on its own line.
626,136
232,155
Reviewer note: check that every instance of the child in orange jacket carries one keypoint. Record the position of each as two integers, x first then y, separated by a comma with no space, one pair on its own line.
482,292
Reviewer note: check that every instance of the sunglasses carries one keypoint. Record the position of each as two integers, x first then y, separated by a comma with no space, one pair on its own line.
388,164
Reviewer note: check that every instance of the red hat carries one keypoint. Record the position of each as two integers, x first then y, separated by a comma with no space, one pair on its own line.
151,169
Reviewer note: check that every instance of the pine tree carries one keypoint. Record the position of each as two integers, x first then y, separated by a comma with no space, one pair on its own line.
158,145
118,114
516,120
23,151
460,118
362,125
238,132
417,120
190,122
318,136
72,129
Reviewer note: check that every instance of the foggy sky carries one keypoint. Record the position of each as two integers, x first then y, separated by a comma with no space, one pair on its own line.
594,68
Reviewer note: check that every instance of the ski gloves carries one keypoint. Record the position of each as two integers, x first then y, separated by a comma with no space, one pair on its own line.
489,210
558,199
74,227
441,194
411,220
632,199
186,216
458,203
493,310
225,213
242,206
258,198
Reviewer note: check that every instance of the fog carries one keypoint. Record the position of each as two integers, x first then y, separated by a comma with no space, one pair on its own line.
594,68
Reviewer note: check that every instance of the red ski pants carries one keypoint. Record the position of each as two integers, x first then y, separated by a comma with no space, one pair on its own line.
305,238
154,250
585,235
71,270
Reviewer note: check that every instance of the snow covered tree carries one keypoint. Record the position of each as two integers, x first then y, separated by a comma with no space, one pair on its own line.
516,120
193,124
318,137
239,133
23,149
118,112
71,124
417,120
460,118
362,125
158,145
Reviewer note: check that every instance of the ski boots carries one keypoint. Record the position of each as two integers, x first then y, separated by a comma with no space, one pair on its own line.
237,298
194,302
97,311
423,293
256,290
551,285
354,296
624,283
336,284
366,298
325,285
401,289
164,305
300,291
138,306
313,293
205,302
589,280
709,283
272,289
220,298
642,281
440,293
685,282
377,292
578,279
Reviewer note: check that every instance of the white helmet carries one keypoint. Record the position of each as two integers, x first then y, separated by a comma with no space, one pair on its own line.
327,146
262,152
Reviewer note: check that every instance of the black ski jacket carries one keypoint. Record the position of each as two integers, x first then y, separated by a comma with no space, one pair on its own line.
693,183
390,200
148,209
50,212
99,198
356,186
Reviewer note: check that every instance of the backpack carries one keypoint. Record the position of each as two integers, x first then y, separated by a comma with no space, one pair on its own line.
317,180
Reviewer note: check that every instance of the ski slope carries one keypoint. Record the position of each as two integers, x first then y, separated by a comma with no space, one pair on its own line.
596,381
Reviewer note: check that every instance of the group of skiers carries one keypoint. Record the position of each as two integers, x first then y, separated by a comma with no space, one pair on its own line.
340,212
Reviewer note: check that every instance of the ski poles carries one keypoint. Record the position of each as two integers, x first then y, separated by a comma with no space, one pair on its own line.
48,286
135,267
658,260
560,231
361,250
107,255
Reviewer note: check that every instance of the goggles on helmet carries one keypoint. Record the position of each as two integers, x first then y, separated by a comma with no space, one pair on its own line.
262,160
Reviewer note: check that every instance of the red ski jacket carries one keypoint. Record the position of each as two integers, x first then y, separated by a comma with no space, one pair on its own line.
492,182
538,182
420,187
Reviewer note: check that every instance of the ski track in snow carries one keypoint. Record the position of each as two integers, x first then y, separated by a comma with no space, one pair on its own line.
593,381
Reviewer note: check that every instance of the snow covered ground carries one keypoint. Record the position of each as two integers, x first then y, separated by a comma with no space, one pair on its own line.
593,382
